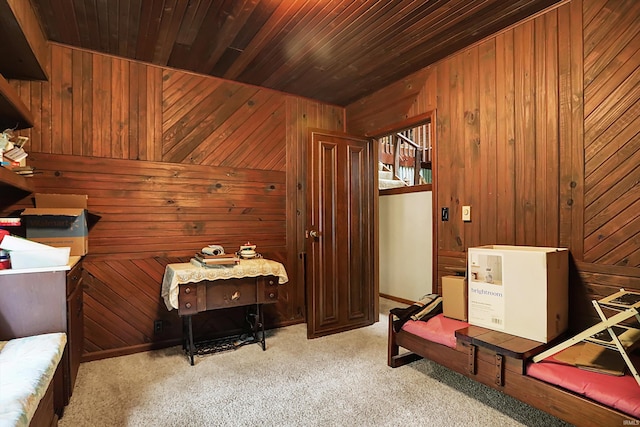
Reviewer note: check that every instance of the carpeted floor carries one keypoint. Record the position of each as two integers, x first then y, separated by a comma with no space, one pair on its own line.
339,380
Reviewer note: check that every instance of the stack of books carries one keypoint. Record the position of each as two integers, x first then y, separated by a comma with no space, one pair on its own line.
15,154
216,260
23,170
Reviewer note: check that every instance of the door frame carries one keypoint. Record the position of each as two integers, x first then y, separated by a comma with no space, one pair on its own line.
410,122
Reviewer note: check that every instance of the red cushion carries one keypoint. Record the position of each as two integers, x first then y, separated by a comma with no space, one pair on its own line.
621,393
438,329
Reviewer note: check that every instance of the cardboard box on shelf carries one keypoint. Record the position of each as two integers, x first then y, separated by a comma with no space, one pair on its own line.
454,297
59,220
27,254
519,290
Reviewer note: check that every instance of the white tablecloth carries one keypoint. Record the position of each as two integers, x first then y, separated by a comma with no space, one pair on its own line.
192,272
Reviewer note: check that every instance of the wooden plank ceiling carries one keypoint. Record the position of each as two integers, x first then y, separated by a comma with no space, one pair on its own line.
335,51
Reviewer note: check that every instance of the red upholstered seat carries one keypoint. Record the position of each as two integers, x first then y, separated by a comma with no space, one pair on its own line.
622,393
438,329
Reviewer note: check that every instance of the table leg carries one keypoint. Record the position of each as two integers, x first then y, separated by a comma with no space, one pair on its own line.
261,315
190,337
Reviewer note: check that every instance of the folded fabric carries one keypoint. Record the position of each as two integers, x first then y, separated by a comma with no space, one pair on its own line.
429,306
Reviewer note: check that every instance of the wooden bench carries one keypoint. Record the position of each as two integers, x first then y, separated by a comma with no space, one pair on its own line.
477,357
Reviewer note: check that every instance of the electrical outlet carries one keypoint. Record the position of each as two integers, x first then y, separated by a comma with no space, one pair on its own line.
157,326
445,214
466,213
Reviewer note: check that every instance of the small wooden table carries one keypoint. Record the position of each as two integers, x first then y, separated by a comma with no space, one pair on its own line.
192,288
509,351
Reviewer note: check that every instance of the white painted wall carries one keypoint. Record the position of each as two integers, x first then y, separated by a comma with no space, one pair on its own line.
406,245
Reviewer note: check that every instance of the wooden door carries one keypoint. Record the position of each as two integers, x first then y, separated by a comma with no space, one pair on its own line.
341,278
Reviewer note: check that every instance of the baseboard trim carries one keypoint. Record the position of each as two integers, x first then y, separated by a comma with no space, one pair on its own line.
397,299
124,351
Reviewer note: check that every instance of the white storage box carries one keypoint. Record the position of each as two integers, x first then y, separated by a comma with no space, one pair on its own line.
519,290
24,253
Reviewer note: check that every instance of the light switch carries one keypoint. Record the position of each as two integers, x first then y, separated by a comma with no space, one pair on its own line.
466,213
445,214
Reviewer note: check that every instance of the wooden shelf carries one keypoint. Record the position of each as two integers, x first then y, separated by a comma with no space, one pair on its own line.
13,180
13,113
23,44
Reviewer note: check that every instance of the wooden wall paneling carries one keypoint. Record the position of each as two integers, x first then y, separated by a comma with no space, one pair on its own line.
45,146
129,303
505,129
525,141
264,134
297,125
196,128
386,107
119,110
600,150
101,125
596,281
154,113
76,87
56,100
225,143
426,100
487,199
268,138
612,102
591,9
38,133
544,166
445,261
139,115
567,183
133,112
122,193
458,154
443,130
65,91
471,194
551,160
85,85
577,126
35,133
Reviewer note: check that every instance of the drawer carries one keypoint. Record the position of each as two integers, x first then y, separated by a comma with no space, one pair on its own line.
268,289
188,299
74,276
231,293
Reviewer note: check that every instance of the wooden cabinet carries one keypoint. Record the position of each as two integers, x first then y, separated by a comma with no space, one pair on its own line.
41,301
75,325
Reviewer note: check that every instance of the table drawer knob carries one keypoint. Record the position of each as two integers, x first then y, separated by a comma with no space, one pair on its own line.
188,305
235,296
187,290
272,295
271,282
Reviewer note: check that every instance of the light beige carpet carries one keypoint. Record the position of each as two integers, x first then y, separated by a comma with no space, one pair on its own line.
339,380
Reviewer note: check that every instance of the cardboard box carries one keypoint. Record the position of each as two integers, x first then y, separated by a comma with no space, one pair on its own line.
454,297
27,254
59,220
519,290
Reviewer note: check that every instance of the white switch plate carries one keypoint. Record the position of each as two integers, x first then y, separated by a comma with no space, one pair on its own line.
466,213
